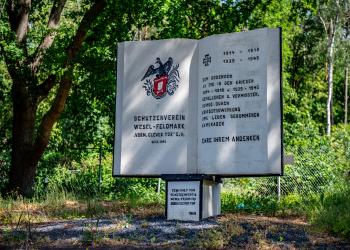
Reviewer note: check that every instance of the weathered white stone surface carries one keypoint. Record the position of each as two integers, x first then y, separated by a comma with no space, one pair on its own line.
228,98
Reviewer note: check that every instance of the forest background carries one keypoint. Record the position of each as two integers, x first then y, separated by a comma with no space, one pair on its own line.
58,83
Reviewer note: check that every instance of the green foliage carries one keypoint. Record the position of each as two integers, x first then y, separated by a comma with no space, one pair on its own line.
59,173
88,119
5,124
328,211
82,180
68,168
4,167
230,202
331,212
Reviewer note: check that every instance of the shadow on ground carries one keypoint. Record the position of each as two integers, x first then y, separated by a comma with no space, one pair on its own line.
129,232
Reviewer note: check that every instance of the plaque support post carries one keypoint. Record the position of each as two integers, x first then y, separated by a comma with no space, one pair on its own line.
278,188
192,197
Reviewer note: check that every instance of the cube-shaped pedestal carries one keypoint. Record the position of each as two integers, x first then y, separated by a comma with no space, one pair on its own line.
192,200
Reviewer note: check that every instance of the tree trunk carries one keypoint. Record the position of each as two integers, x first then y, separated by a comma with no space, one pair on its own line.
330,59
22,171
346,95
28,140
30,143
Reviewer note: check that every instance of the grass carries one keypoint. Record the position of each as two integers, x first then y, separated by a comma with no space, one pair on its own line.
212,239
18,217
331,212
14,211
216,238
289,205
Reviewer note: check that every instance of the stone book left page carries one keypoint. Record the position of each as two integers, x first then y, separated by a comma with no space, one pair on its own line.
155,112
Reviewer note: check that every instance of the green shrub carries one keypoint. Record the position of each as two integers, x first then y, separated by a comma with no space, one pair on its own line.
332,212
249,203
292,204
62,176
4,168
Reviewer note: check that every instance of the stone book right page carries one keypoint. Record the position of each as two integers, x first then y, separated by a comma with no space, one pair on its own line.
239,129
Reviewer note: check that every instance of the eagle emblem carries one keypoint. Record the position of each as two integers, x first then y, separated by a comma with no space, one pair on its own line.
166,79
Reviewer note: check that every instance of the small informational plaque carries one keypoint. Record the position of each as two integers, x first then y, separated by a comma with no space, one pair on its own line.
209,106
183,200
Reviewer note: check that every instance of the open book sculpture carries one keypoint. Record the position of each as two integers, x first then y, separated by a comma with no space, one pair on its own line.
209,106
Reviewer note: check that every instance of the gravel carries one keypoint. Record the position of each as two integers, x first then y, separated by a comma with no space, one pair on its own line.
130,232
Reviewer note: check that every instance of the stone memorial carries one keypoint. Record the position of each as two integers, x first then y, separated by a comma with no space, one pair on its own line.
193,111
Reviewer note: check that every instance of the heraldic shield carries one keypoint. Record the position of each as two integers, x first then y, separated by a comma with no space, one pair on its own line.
160,86
165,81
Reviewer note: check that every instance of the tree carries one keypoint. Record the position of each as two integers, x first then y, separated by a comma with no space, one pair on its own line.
346,84
346,38
331,14
39,73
